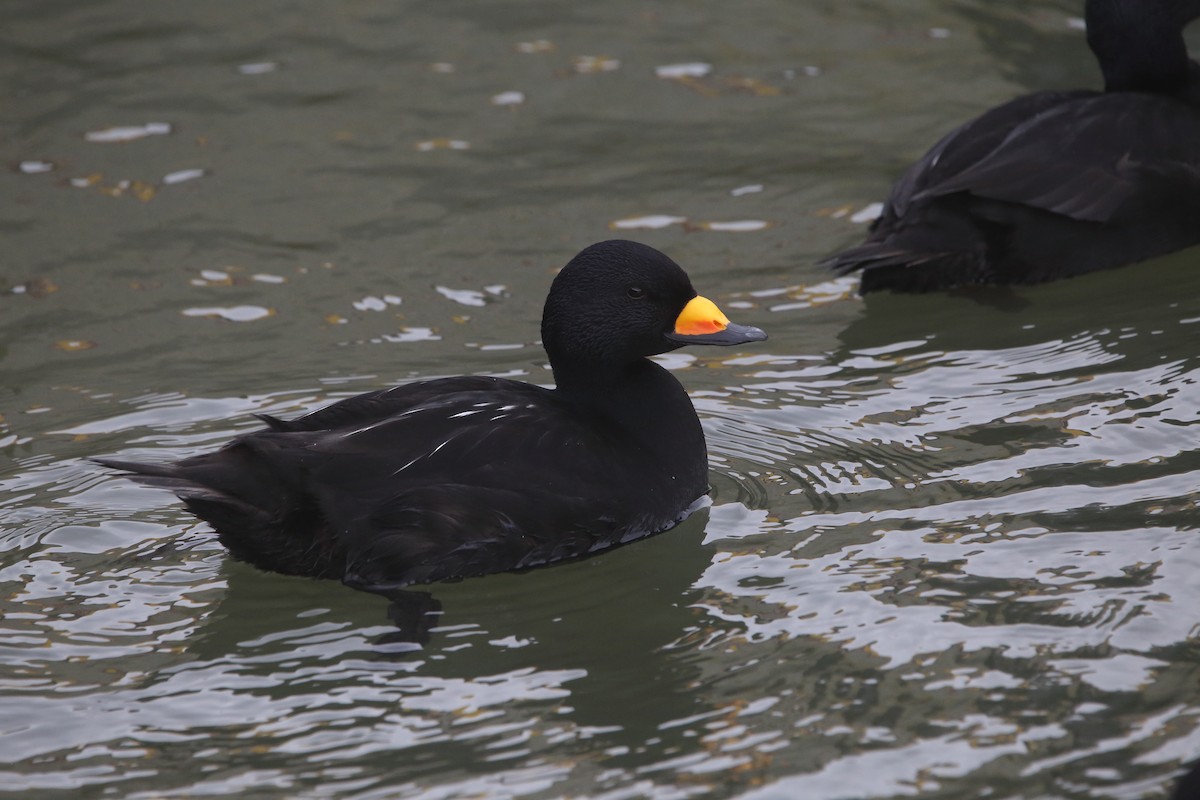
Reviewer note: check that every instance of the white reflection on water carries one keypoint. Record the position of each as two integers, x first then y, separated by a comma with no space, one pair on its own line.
929,564
950,548
904,595
992,525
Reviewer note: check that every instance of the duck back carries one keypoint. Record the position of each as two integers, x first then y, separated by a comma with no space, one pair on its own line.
1049,185
447,479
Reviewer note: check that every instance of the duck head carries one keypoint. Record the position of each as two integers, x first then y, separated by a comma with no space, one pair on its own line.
617,302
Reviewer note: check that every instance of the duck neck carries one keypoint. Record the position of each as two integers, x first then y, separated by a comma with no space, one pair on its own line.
1140,45
644,401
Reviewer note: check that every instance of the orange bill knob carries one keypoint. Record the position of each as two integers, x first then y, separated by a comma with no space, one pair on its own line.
701,322
700,315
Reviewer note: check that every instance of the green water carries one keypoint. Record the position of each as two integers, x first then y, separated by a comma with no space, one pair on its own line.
952,546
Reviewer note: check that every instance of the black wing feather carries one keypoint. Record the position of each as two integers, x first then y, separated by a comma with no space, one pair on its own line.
1090,159
1048,185
423,482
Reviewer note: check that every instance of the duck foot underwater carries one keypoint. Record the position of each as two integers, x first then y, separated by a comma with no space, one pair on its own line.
414,614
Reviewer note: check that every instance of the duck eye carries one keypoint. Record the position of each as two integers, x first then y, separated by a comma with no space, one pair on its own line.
636,292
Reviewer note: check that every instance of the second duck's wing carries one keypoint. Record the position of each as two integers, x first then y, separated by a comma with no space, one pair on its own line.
1099,158
965,147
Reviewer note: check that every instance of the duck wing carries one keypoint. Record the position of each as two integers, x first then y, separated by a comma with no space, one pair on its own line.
424,482
480,482
1048,185
959,151
379,405
919,244
1090,157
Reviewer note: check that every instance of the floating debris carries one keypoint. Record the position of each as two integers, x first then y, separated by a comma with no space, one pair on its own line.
939,33
508,99
652,221
466,297
736,226
710,86
372,303
536,46
442,144
74,345
85,182
408,335
179,176
266,277
231,313
211,277
753,86
592,64
34,167
142,191
865,214
128,133
259,68
35,287
696,69
809,71
443,67
139,189
750,189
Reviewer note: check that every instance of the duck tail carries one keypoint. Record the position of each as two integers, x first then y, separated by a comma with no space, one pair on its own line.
276,424
164,476
259,521
885,266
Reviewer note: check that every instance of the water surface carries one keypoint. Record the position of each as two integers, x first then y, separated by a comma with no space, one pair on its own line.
952,544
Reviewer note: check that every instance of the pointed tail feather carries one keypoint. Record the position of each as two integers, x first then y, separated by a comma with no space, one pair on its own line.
259,521
161,475
887,267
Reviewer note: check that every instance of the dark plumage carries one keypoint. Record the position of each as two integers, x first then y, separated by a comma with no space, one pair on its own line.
1188,786
1056,184
464,476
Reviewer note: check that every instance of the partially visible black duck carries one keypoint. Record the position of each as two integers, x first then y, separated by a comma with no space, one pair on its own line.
1056,184
465,476
1188,786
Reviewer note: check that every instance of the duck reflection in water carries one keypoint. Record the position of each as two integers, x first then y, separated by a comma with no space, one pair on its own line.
1056,183
465,476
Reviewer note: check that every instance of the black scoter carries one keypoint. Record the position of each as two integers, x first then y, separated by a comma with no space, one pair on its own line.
1056,183
464,476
